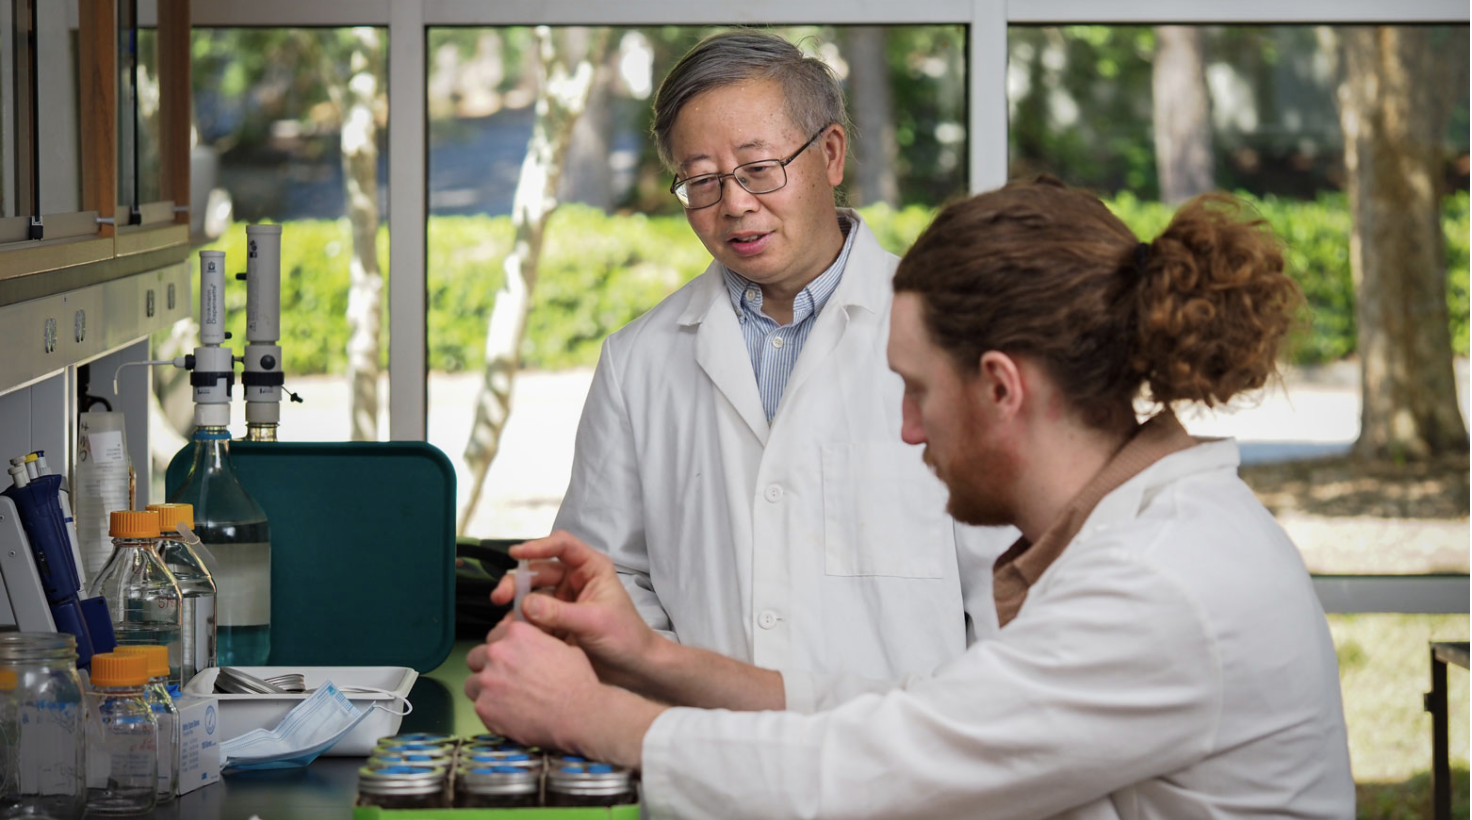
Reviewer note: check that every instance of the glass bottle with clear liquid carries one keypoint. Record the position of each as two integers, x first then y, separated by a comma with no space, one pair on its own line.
122,738
142,595
234,529
156,694
193,567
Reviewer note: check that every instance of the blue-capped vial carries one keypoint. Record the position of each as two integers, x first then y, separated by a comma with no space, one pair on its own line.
436,738
497,787
405,746
574,783
518,760
381,760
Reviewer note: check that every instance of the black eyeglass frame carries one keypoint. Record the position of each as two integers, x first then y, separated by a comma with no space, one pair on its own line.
720,179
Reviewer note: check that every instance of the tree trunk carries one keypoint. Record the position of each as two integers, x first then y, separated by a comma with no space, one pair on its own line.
355,96
568,59
1183,156
874,143
587,177
1393,120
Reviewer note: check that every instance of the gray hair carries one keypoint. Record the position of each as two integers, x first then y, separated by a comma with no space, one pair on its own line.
814,96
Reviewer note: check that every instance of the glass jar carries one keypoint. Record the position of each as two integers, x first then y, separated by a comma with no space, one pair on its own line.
122,733
42,715
497,787
589,784
403,787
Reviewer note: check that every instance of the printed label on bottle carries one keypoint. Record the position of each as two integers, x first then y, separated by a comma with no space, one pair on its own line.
199,633
244,584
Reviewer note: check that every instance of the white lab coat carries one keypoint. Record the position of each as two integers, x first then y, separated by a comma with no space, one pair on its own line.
1173,663
816,544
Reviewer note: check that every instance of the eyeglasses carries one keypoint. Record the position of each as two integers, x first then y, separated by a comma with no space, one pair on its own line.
761,177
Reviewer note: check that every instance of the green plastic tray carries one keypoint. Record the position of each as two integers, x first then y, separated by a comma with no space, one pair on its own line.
362,548
629,812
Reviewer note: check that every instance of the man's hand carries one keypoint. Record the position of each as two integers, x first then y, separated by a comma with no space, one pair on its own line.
527,683
588,606
530,686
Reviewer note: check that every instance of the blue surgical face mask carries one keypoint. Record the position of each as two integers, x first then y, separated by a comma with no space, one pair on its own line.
307,731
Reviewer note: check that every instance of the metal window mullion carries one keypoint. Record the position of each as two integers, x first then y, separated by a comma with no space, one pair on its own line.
408,370
682,12
986,89
1242,12
230,13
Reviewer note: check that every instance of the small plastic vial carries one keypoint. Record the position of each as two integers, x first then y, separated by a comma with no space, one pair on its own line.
589,784
403,787
193,567
165,712
122,738
497,787
142,595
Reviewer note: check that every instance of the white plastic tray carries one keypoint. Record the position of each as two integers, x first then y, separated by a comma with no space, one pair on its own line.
241,713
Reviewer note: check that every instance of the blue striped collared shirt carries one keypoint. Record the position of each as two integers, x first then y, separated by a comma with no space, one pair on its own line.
774,348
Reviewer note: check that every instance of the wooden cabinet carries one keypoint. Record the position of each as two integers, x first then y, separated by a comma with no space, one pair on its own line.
94,177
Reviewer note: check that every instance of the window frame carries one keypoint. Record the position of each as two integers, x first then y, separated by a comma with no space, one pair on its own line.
987,21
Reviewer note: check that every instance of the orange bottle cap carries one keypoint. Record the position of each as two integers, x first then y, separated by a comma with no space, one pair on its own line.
171,515
133,524
112,669
157,657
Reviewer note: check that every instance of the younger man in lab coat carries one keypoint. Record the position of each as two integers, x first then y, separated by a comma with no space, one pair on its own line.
738,456
1162,652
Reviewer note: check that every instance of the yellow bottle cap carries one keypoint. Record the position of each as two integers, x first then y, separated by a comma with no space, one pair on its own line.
133,524
32,457
157,657
171,515
7,680
112,669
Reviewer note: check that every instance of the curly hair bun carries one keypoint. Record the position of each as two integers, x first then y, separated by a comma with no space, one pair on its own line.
1214,304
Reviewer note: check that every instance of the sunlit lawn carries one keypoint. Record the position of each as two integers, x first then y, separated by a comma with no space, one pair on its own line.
1384,667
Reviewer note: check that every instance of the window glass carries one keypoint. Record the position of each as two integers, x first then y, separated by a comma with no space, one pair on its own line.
149,162
618,242
58,127
1147,116
291,128
8,205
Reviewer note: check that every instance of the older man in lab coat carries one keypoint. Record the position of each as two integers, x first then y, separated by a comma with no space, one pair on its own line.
738,455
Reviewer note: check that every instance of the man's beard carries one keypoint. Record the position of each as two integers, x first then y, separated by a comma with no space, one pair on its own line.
979,475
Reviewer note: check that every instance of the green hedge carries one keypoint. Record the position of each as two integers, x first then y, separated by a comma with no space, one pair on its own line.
599,272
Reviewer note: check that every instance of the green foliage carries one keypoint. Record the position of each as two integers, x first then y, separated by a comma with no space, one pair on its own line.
1316,244
1455,223
599,272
